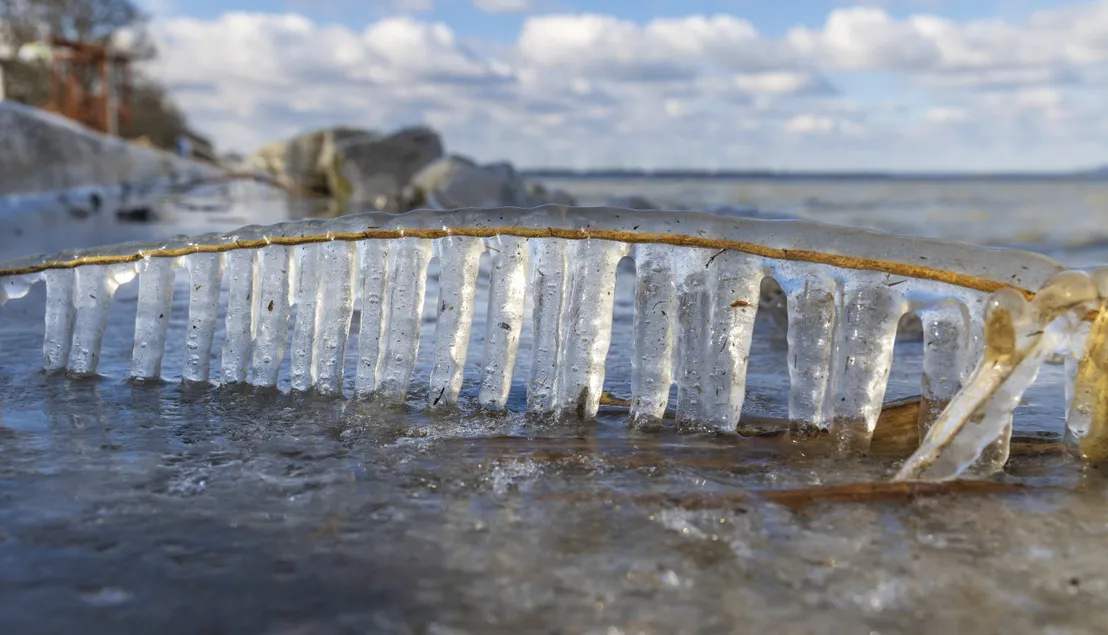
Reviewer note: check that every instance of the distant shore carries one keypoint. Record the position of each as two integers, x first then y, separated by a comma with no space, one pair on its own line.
562,173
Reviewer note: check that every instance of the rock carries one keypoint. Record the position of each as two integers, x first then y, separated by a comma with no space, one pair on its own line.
561,197
41,152
139,214
350,165
455,182
376,171
537,194
632,202
420,192
535,191
514,191
307,163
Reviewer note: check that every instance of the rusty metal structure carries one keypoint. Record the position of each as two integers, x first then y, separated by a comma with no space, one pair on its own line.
90,84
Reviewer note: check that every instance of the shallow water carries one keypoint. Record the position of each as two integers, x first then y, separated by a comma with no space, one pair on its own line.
129,508
1064,219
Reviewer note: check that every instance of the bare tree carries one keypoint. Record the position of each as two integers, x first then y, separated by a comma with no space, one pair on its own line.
101,22
154,116
95,21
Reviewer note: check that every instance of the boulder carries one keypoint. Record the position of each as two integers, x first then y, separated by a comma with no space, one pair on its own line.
537,194
632,202
376,171
307,163
456,181
42,152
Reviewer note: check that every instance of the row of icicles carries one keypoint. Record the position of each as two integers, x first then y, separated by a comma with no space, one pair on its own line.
571,337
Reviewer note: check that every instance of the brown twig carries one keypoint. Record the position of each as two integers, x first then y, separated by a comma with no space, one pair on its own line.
802,255
895,437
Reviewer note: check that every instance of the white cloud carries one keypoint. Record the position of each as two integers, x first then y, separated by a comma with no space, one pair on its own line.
822,124
809,124
781,83
663,49
597,46
1001,78
288,50
946,114
420,49
868,38
277,72
592,90
503,6
865,38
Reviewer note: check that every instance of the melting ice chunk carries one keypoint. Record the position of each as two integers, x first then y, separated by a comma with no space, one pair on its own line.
1018,338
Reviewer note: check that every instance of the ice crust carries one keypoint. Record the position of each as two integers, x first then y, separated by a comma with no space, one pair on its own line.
694,316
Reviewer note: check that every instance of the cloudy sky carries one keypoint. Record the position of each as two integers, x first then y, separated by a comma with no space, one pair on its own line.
734,84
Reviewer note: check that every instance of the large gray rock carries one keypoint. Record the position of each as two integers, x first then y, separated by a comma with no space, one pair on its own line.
538,194
456,181
377,170
42,152
632,202
308,163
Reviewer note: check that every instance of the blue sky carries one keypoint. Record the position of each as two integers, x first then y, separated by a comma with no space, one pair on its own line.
803,84
772,17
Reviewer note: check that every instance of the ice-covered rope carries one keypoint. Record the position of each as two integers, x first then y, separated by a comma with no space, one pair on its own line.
698,280
629,237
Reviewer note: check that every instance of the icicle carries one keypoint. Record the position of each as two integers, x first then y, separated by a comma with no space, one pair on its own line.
408,262
1087,413
654,333
1070,363
459,257
507,303
205,275
550,278
272,317
945,331
93,290
335,310
1059,308
374,262
240,315
694,308
735,286
1018,339
59,319
811,299
155,298
303,366
15,287
588,324
294,277
975,306
863,354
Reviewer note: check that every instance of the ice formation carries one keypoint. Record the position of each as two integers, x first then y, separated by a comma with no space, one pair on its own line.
990,317
1018,336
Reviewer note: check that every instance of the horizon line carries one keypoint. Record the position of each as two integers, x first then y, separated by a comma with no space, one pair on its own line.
1096,172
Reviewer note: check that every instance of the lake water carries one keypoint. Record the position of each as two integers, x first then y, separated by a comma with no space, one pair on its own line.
141,508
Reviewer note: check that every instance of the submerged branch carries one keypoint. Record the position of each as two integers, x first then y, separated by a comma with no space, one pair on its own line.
797,499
